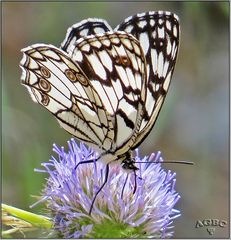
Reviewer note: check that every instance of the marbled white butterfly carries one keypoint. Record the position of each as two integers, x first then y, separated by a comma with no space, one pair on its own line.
104,86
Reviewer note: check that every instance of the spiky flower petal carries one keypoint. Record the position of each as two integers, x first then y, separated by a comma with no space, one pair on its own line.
117,212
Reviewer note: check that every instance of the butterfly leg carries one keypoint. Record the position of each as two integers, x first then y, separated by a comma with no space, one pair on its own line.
135,184
122,192
105,181
87,161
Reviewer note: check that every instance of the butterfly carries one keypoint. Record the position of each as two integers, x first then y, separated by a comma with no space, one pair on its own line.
106,86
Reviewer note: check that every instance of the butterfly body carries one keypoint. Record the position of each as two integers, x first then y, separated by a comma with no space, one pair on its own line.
106,87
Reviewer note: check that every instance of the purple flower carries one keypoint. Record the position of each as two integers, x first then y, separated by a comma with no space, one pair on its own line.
69,192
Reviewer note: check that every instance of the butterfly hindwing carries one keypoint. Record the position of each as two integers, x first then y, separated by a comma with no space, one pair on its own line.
58,84
115,65
95,92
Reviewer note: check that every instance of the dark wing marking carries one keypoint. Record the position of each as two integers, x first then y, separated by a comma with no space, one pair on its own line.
158,34
95,92
115,65
56,82
84,28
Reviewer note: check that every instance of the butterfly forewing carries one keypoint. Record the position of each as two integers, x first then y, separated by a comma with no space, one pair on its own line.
158,34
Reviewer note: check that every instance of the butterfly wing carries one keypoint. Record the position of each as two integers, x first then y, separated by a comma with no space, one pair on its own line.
158,34
58,83
115,65
91,26
95,93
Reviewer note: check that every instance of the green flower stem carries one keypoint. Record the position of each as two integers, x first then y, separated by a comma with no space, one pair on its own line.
35,219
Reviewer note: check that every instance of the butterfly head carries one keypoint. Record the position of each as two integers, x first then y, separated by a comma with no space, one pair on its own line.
128,163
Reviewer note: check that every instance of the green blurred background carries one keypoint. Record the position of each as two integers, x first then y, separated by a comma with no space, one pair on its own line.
193,124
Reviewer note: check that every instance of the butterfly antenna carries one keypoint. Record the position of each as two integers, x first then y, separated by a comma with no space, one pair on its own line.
105,181
179,162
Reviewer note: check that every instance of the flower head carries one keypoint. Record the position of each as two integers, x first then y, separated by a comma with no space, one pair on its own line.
117,212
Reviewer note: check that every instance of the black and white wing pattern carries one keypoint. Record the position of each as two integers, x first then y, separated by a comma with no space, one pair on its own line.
89,90
158,34
90,26
106,87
